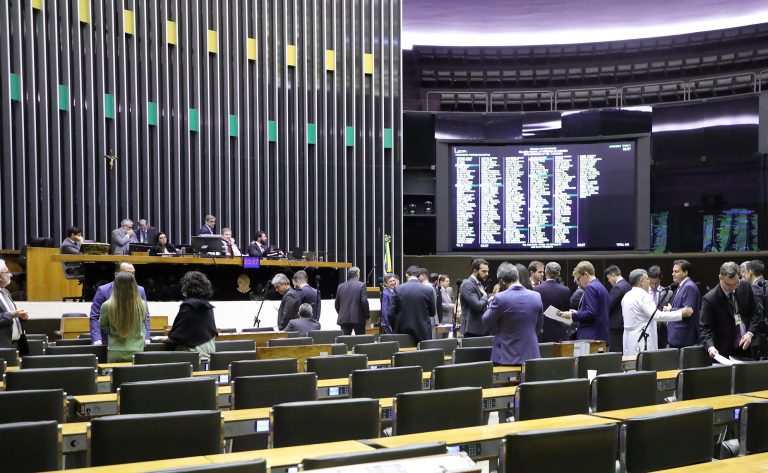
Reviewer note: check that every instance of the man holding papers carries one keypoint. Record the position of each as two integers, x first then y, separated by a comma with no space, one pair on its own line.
592,316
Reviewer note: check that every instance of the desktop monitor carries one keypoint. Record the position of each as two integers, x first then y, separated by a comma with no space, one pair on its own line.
206,244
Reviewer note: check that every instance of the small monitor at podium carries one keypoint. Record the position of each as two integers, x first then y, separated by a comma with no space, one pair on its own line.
207,245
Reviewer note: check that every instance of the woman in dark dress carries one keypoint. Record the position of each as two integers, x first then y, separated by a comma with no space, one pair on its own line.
162,247
194,328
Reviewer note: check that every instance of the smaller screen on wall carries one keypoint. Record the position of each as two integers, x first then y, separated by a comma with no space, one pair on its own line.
730,230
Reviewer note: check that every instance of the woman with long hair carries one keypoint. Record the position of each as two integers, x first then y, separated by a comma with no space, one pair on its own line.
125,315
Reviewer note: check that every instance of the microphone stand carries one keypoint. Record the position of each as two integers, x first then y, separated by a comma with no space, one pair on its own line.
644,334
256,319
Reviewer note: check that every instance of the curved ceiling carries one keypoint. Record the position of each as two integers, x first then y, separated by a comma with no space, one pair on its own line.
545,22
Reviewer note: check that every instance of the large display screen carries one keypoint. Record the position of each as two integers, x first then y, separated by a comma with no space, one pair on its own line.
554,196
731,230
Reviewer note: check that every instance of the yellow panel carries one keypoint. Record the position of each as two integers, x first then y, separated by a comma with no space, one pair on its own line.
290,55
37,4
330,60
170,31
213,42
368,63
128,21
85,11
251,46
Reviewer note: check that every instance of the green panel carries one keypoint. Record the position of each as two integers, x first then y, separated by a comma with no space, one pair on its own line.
311,134
109,106
271,130
233,125
388,138
63,97
15,87
194,119
152,113
350,135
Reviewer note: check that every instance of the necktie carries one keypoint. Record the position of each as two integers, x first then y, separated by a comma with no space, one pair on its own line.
655,296
739,332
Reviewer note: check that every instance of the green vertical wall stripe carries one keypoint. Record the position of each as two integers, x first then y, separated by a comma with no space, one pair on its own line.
152,113
63,97
194,119
350,136
271,130
311,134
388,138
233,125
15,87
109,106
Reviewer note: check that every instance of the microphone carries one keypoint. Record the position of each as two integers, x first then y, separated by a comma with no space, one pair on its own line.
459,282
761,283
673,286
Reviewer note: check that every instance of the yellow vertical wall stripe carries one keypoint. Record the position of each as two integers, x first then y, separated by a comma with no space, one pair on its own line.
290,55
37,4
85,11
170,31
330,60
368,63
251,47
213,42
128,21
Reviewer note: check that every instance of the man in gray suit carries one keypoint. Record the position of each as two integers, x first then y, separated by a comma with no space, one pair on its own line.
122,238
71,244
304,323
10,317
474,300
352,304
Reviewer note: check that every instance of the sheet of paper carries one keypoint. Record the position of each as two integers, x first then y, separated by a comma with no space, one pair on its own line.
723,360
552,313
735,361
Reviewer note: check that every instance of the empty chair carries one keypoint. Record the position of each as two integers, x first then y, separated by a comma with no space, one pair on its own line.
623,390
694,357
750,377
220,360
73,342
658,360
99,350
351,340
74,381
289,342
753,436
167,395
377,351
537,400
31,446
235,345
446,344
10,355
405,340
145,437
547,350
422,411
469,342
426,359
695,383
251,466
548,369
36,347
385,382
293,334
602,363
37,336
263,367
265,391
336,366
59,361
338,349
380,455
471,354
136,373
592,449
155,357
478,374
645,441
322,337
158,347
302,423
32,405
258,329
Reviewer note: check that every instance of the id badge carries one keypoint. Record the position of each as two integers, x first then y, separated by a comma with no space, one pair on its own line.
737,319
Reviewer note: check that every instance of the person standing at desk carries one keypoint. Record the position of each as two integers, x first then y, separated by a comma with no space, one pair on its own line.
98,337
71,244
474,300
412,307
444,299
11,329
194,328
306,293
208,227
162,247
615,319
686,332
289,304
124,316
146,234
592,316
304,323
661,297
352,304
230,248
122,238
387,293
558,296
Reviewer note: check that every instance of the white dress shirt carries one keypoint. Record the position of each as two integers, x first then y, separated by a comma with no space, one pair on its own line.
637,307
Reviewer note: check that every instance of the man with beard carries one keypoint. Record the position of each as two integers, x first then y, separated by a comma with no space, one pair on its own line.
474,300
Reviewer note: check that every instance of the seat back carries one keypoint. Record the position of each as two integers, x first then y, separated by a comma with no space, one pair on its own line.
37,336
31,446
59,361
338,349
351,340
405,340
423,411
167,395
548,369
426,359
258,329
695,383
302,423
593,449
471,354
377,351
290,342
32,405
623,390
753,436
336,366
547,350
446,344
73,342
694,357
235,345
603,363
644,442
226,330
380,455
750,377
384,382
265,391
99,350
10,355
537,400
145,437
158,347
478,374
263,367
158,357
36,347
74,381
469,342
220,360
137,373
658,360
324,336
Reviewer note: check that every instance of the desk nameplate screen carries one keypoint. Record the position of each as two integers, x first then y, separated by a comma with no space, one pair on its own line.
725,408
757,463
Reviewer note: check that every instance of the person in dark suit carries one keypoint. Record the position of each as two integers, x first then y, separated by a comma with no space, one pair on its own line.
162,247
71,244
11,330
387,293
686,332
194,328
513,315
289,304
306,293
412,307
619,287
474,300
352,304
592,316
209,227
259,246
558,296
304,323
121,238
145,234
661,297
753,273
729,315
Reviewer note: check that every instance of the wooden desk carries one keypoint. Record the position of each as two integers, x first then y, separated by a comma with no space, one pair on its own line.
45,277
758,394
757,463
261,338
142,467
565,349
725,408
666,380
300,352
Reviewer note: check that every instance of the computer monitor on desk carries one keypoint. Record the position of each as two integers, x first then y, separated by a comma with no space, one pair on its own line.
208,245
139,248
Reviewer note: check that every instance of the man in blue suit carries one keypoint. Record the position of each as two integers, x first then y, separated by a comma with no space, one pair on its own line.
558,296
592,316
99,335
686,332
513,315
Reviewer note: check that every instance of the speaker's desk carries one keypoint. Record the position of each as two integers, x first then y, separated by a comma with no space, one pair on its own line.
725,408
757,463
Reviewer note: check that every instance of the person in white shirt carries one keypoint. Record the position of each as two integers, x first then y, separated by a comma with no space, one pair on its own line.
230,248
637,307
